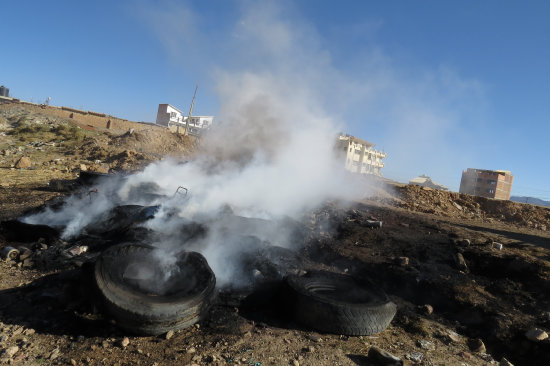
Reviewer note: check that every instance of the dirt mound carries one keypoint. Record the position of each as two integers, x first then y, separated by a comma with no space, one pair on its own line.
452,204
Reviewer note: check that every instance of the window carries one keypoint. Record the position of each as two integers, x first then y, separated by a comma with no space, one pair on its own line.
172,114
491,181
490,190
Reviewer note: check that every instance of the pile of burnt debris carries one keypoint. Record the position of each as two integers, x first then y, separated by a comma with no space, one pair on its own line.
149,290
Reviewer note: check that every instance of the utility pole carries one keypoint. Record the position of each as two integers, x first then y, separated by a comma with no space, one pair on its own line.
190,111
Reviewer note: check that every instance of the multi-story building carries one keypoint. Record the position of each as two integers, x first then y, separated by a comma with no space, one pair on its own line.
487,183
174,119
360,155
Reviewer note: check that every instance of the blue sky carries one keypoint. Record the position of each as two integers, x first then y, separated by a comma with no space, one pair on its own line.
441,86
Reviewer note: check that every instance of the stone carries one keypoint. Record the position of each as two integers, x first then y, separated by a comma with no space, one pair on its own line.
54,354
313,338
497,246
465,242
169,334
23,163
465,355
461,262
29,331
310,349
124,342
536,334
10,351
477,345
453,337
424,344
191,350
380,357
415,356
426,309
505,362
83,167
403,261
24,253
73,362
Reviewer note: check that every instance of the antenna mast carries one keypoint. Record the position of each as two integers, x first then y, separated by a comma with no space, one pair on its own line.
190,110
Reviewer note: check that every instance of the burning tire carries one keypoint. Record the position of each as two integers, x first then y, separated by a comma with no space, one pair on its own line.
339,304
143,298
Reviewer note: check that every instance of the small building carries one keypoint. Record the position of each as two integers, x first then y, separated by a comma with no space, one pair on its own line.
426,181
495,184
4,92
360,155
173,118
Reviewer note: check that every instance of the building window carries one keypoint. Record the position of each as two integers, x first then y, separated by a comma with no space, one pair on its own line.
491,181
172,114
490,190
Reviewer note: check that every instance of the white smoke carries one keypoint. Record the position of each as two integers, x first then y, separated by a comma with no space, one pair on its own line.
270,156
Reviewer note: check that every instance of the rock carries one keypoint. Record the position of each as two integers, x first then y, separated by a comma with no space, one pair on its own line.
29,331
313,338
83,167
402,261
465,355
381,357
10,351
536,334
124,342
105,344
426,309
497,246
453,337
191,350
461,262
457,205
464,242
295,363
54,354
73,362
24,253
309,349
477,345
415,356
169,334
505,362
23,163
424,344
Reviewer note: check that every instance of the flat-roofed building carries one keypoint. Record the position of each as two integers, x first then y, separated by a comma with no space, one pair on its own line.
360,155
495,184
173,118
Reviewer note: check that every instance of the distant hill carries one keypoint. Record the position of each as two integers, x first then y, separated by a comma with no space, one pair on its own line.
531,200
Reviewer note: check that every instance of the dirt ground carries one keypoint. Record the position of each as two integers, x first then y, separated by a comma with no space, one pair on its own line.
481,265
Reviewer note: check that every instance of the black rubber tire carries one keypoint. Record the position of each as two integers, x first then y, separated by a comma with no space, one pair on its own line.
139,312
336,303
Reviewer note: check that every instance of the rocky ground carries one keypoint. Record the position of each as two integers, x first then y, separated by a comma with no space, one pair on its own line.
470,275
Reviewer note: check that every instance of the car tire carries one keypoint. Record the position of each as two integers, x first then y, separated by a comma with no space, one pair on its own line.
339,304
138,305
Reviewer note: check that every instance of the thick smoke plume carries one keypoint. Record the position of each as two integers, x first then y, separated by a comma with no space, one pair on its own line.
269,158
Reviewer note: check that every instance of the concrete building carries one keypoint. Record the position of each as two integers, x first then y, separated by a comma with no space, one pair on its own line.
173,118
426,181
4,92
360,155
487,183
